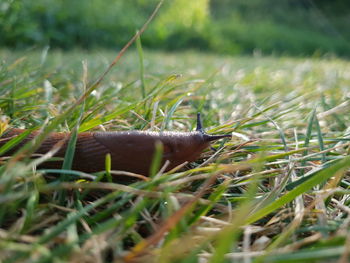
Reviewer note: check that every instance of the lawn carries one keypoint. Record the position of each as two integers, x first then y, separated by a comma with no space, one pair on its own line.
276,192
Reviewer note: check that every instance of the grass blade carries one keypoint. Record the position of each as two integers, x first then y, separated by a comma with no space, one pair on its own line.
142,76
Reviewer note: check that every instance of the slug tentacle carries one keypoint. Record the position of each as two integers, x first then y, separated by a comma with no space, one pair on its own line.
208,137
199,123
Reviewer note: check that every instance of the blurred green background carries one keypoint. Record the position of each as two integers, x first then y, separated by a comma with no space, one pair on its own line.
283,27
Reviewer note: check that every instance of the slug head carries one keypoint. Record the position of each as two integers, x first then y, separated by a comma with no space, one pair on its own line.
181,147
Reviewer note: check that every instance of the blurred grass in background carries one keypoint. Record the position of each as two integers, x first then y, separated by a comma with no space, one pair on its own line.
299,27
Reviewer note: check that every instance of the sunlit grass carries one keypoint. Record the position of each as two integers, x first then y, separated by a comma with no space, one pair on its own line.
277,192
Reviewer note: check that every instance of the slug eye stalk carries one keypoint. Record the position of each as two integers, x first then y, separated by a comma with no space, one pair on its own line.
208,137
199,123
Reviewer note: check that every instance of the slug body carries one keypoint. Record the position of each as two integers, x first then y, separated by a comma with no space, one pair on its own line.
131,151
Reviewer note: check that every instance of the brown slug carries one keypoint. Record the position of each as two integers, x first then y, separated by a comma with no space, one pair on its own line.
130,151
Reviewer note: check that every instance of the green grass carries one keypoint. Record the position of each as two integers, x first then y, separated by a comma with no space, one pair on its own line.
277,192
